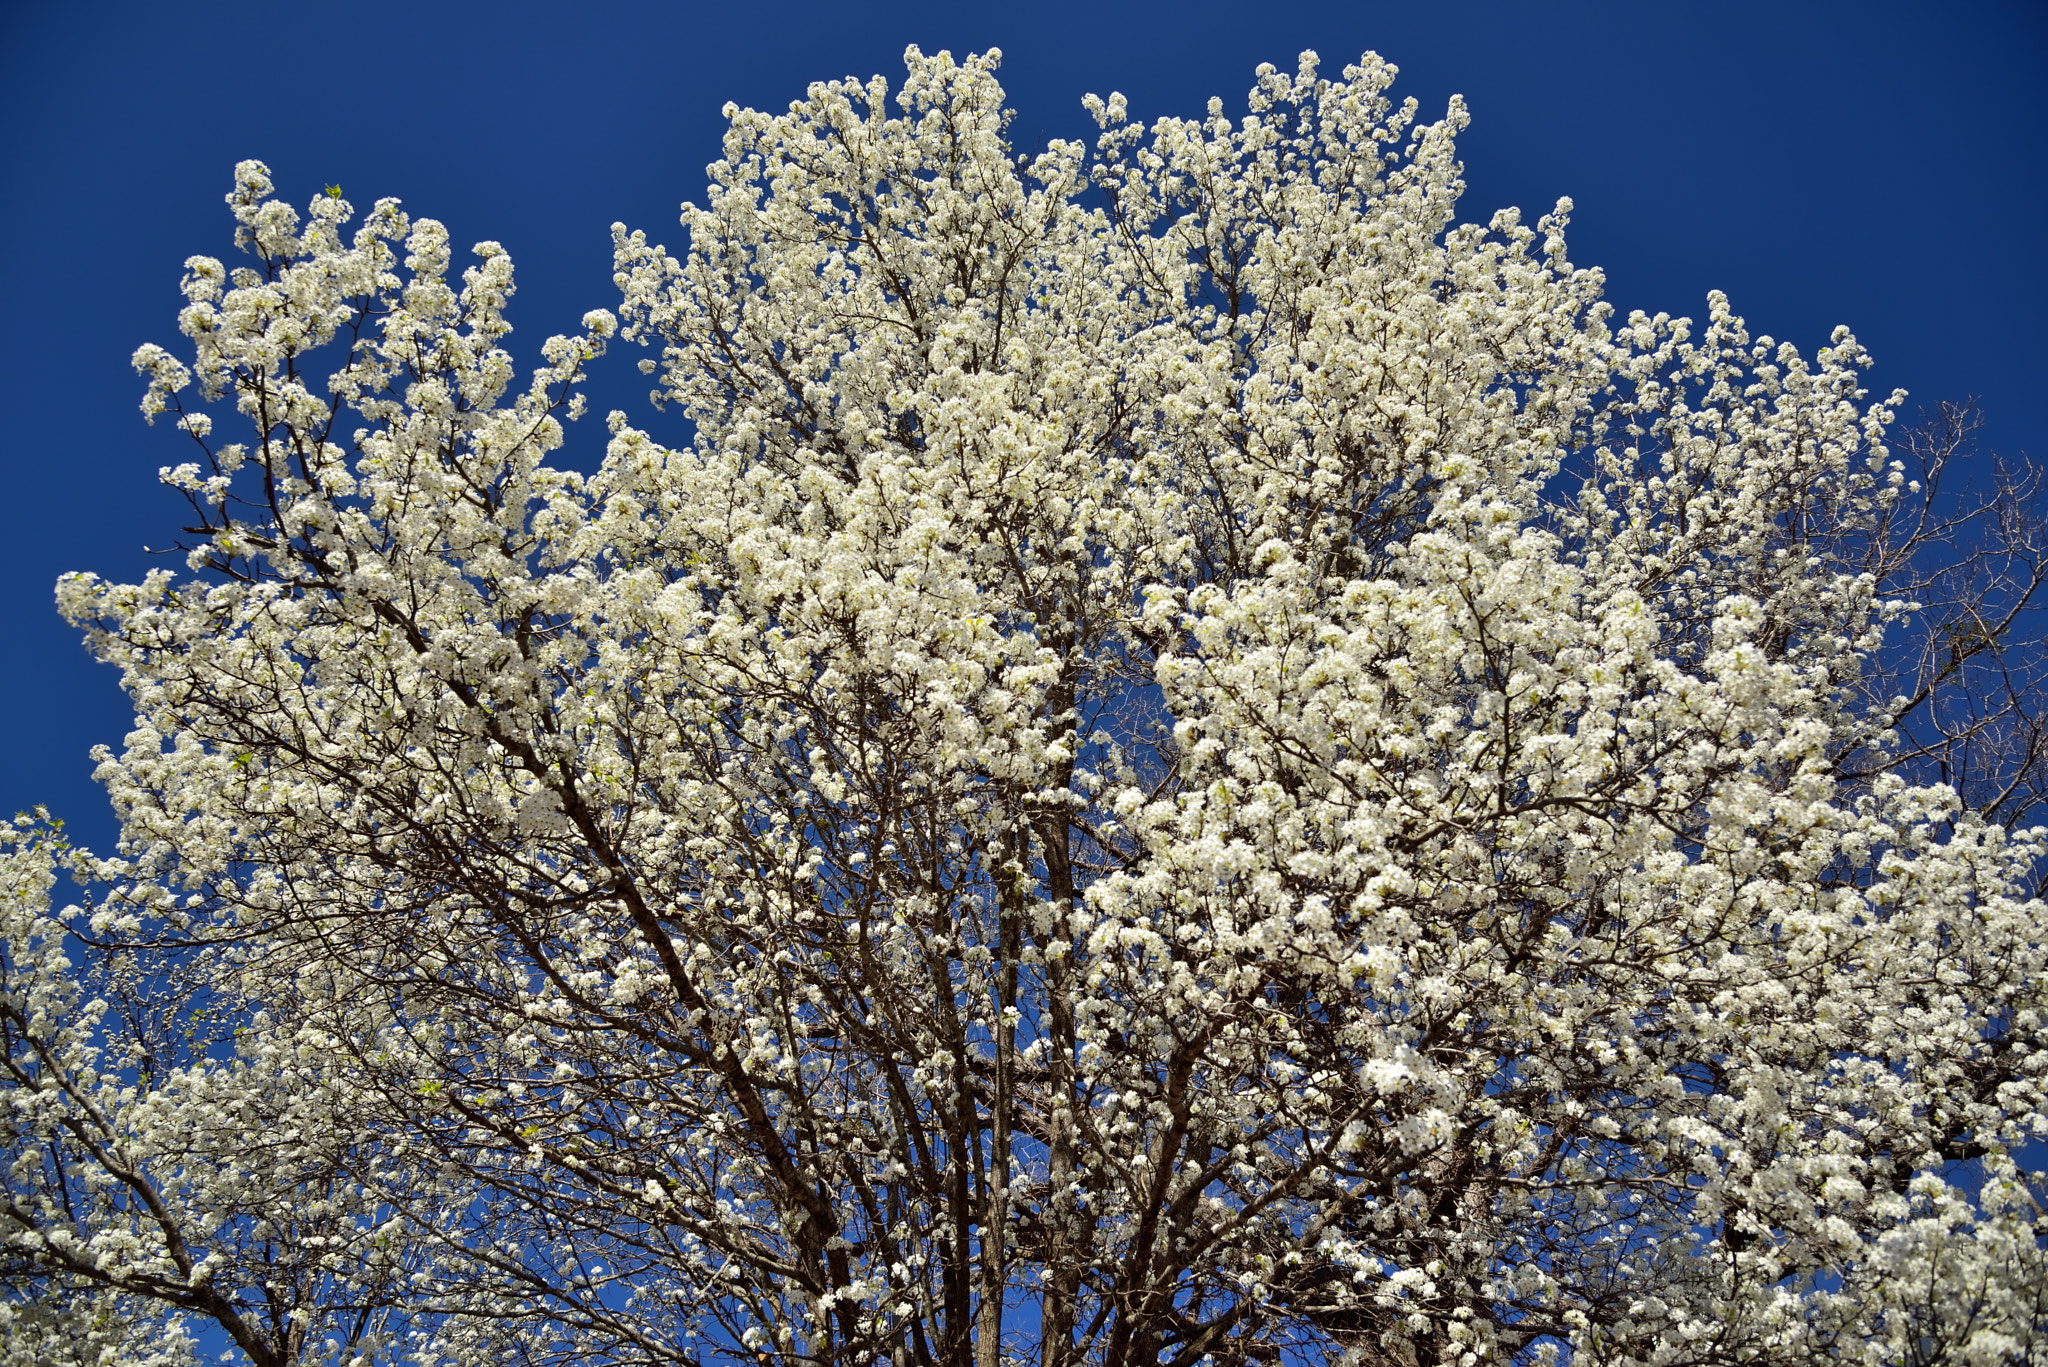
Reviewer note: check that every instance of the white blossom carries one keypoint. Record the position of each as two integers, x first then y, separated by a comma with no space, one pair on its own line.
1191,743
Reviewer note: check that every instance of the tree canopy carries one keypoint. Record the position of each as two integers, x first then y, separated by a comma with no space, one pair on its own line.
1194,762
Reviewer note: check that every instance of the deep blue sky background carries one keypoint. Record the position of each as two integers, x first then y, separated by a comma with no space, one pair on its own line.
1880,165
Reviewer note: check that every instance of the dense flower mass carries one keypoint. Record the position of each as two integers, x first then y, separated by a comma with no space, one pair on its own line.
1196,762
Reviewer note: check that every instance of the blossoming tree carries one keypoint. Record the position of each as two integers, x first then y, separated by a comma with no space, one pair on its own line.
1196,762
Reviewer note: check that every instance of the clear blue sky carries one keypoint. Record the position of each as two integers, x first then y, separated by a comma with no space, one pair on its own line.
1879,165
